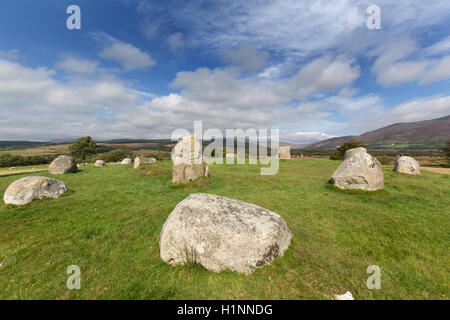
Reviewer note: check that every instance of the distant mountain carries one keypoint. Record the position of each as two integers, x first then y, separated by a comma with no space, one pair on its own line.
20,144
421,132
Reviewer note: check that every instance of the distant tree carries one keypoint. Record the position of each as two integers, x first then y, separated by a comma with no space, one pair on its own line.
446,151
339,154
83,148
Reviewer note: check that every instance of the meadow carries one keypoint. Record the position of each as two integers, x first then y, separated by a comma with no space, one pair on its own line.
109,223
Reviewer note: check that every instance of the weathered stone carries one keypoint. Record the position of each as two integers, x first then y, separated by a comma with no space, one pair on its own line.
100,163
359,170
285,152
63,164
222,233
346,296
141,160
407,165
26,189
187,160
126,161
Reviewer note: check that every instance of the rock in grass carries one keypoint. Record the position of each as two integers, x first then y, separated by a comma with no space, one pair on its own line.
126,161
26,189
141,160
359,170
346,296
407,165
63,164
100,163
222,233
285,152
188,160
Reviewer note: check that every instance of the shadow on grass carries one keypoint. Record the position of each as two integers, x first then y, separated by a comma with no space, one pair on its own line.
196,184
331,187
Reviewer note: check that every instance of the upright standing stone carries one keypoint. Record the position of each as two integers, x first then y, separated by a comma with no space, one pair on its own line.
407,165
187,160
62,164
359,170
285,153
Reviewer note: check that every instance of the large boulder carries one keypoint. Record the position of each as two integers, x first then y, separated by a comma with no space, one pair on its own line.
126,161
100,163
407,165
141,160
63,164
222,233
359,170
26,189
285,152
188,160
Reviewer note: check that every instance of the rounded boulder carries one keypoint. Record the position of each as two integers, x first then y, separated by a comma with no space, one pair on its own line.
27,189
222,233
407,165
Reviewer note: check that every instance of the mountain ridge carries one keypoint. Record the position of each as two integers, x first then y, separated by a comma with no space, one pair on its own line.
419,132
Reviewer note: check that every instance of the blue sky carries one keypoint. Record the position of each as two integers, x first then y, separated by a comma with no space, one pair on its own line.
141,69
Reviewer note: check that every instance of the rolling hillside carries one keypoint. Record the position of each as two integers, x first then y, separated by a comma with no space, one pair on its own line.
428,132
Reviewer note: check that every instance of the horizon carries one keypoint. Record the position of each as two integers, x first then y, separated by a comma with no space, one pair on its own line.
144,69
70,140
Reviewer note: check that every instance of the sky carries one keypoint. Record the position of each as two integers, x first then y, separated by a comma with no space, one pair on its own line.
142,69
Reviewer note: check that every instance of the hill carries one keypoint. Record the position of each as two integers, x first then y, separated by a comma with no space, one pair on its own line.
426,133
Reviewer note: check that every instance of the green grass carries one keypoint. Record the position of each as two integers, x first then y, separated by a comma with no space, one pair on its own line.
109,225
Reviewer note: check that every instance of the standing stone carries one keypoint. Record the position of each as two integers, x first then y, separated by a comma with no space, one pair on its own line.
407,165
222,233
285,153
26,189
141,160
126,161
63,164
359,170
100,163
187,160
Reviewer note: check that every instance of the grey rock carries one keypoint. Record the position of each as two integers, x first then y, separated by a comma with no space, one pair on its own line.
126,161
26,189
63,164
359,170
141,160
222,233
285,152
100,163
188,160
407,165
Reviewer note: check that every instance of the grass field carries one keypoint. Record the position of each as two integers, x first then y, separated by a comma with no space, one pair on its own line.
109,224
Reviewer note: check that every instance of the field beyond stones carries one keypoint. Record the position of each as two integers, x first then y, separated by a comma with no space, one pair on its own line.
109,224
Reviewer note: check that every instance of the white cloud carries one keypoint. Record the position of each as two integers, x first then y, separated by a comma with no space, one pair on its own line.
414,110
293,27
127,55
321,75
246,57
438,48
304,137
77,65
393,67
